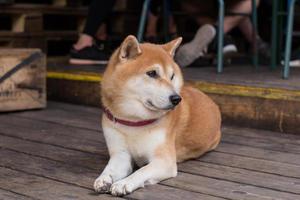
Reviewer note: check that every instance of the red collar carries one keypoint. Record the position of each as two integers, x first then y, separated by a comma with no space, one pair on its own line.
110,116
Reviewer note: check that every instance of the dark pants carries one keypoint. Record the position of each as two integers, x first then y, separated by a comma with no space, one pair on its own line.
99,11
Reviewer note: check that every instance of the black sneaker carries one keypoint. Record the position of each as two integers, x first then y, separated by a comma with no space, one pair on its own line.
89,56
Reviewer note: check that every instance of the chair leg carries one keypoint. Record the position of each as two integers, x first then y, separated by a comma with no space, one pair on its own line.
220,37
143,20
254,23
289,35
274,42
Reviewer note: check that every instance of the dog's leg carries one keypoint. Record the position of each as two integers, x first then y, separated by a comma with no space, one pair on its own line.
157,170
118,167
120,163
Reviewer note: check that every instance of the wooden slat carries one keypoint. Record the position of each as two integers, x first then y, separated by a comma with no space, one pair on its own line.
96,162
169,193
294,139
8,195
226,189
55,148
44,127
75,119
41,132
51,152
270,144
82,177
73,107
92,121
43,188
215,157
255,152
254,164
275,182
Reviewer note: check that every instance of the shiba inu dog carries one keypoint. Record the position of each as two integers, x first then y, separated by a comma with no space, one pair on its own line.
150,118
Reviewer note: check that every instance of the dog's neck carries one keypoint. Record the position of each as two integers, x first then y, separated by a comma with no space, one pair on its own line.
111,117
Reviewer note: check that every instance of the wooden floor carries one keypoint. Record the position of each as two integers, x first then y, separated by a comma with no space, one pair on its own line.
57,153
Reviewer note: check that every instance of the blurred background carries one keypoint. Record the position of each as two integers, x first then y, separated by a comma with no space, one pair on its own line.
54,25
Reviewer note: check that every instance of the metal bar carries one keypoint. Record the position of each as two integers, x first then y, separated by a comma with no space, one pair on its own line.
288,44
254,34
281,30
220,37
274,35
143,20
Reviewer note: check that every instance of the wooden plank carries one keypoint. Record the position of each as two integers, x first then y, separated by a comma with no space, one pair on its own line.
245,161
69,137
53,170
245,76
94,111
8,195
56,153
264,180
271,143
46,127
225,189
86,145
83,177
75,119
255,152
254,164
169,193
264,134
90,121
92,161
43,188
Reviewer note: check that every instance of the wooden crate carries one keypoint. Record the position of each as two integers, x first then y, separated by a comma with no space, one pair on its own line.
22,79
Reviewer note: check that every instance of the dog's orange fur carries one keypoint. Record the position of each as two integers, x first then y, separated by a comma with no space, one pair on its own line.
187,131
194,124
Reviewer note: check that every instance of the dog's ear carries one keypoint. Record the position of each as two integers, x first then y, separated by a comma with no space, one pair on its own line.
171,47
129,48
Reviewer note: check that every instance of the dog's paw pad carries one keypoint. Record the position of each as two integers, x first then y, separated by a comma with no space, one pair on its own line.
103,183
121,188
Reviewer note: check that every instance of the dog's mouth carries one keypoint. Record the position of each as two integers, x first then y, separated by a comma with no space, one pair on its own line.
153,107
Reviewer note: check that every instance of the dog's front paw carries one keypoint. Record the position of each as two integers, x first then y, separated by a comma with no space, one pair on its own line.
121,188
103,183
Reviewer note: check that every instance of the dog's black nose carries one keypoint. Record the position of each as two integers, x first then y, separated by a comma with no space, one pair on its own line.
175,99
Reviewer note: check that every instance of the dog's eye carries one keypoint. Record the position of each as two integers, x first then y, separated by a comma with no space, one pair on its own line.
172,76
152,74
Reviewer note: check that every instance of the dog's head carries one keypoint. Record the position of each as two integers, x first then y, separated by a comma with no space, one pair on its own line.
142,81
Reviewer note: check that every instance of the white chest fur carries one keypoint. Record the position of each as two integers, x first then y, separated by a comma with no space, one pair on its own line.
143,144
140,142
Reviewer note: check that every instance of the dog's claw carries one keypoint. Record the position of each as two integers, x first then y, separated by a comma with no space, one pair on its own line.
121,188
103,183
